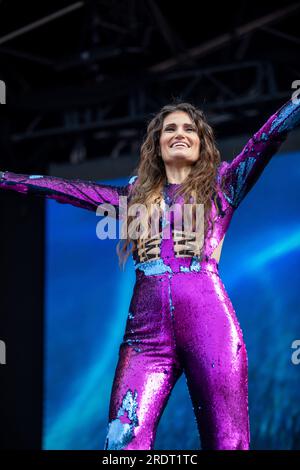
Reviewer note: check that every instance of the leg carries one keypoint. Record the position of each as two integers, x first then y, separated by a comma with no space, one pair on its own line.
214,361
139,395
146,373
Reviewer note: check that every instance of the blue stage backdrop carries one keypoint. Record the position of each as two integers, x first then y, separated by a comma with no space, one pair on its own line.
87,300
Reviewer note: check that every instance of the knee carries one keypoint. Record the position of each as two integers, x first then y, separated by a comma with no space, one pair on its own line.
239,443
119,435
126,432
233,440
232,443
124,436
121,431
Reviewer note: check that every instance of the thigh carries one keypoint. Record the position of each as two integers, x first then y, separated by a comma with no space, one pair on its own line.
205,321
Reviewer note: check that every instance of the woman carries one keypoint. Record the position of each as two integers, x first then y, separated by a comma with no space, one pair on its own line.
180,317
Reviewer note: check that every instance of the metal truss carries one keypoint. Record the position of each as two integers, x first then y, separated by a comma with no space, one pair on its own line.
120,109
104,114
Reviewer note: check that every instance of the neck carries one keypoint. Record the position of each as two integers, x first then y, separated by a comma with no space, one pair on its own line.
176,175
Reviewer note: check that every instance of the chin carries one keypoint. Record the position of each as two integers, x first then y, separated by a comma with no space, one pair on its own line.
183,158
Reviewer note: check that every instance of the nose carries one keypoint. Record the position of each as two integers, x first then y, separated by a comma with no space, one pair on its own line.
179,135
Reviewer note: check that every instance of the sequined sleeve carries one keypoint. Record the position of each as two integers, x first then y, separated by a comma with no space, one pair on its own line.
239,176
80,193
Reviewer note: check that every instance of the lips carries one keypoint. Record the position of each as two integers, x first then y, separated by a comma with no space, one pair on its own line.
179,144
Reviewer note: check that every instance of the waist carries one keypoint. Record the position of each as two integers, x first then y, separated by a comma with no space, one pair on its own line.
177,265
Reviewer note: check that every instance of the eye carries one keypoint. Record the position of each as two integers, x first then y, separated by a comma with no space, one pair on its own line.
188,128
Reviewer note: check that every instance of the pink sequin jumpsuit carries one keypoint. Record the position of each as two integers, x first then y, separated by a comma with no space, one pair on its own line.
180,317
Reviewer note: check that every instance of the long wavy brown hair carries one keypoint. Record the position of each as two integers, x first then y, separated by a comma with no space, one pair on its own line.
151,174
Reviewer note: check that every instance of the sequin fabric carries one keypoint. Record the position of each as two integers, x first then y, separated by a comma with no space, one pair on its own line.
183,322
180,318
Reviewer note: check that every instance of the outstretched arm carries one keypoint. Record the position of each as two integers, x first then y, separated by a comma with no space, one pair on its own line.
239,176
80,193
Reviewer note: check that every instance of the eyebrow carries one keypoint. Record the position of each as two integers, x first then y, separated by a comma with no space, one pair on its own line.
174,124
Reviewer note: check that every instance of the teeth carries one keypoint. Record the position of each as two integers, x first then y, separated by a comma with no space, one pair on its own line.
179,145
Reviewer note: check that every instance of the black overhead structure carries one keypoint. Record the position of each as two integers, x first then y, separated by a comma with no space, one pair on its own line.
82,78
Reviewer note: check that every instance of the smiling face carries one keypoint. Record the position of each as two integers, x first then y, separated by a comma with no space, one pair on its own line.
179,140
